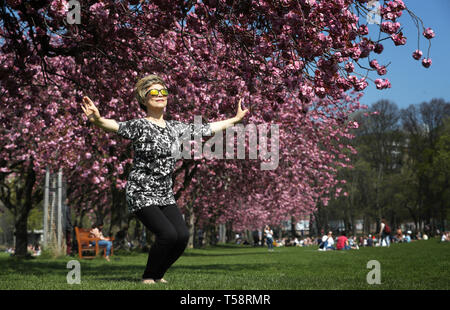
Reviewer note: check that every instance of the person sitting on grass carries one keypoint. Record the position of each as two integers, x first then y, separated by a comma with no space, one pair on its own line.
328,244
352,242
96,232
323,242
370,241
342,242
407,239
398,236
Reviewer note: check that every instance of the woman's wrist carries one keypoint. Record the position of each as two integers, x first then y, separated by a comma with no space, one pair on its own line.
235,120
97,121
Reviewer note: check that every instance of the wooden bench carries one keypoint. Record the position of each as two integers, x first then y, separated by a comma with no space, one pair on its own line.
84,239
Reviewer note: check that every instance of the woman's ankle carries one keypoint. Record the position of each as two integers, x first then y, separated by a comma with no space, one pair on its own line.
148,281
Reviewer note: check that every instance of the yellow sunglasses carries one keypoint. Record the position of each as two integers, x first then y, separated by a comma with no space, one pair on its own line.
156,92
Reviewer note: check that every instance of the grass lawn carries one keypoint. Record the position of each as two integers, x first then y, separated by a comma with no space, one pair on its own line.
418,265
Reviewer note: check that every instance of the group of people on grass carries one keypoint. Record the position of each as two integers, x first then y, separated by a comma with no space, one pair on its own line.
385,238
342,242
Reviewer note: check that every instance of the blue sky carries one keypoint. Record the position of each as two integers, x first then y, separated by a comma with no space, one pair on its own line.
411,82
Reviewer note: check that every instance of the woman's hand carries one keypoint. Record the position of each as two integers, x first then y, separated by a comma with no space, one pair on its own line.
240,114
221,125
90,109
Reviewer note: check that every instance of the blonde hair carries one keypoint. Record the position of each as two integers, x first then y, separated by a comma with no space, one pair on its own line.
143,84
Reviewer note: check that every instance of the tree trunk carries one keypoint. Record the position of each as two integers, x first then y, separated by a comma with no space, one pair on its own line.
211,234
222,233
196,234
22,210
320,221
353,225
207,233
413,214
311,230
443,209
293,224
21,235
137,232
118,209
229,226
377,191
190,221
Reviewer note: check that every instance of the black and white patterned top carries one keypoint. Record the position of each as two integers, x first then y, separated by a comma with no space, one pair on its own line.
150,180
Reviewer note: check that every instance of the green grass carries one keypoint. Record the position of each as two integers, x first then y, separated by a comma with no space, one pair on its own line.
418,265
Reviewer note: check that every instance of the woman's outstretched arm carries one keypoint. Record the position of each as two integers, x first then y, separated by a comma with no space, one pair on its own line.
221,125
94,117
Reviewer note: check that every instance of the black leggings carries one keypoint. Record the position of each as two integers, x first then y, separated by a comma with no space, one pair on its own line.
172,235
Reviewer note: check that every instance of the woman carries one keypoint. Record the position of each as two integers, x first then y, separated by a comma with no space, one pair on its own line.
96,232
329,242
149,188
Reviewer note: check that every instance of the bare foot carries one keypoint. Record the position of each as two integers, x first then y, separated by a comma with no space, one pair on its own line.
161,281
107,258
148,281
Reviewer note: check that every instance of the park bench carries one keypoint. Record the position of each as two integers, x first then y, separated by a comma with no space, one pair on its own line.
84,239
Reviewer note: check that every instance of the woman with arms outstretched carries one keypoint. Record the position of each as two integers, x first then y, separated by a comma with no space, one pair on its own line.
149,192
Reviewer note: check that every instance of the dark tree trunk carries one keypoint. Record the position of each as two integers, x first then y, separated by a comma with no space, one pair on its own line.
229,232
25,201
20,226
190,223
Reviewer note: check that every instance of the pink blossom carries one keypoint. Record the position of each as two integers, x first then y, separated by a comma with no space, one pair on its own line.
374,64
363,30
417,54
10,146
60,7
428,33
349,67
382,84
360,85
400,4
426,62
398,39
99,9
381,70
378,48
390,27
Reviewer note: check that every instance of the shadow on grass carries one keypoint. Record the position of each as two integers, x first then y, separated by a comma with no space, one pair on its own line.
121,271
58,268
222,268
237,250
192,254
